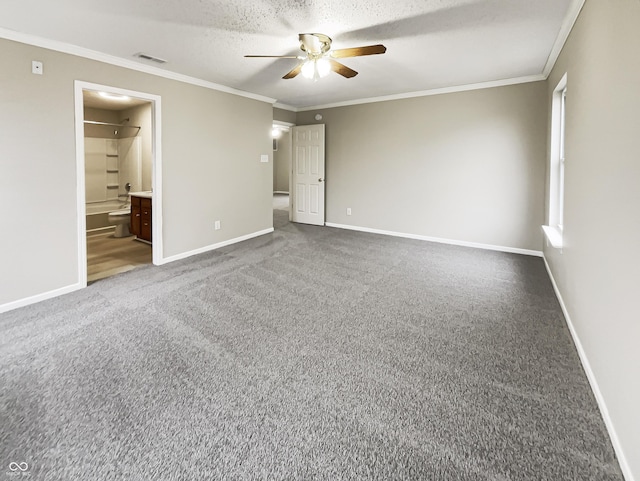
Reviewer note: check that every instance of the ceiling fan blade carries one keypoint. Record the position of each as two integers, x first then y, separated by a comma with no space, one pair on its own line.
271,56
343,70
293,72
358,51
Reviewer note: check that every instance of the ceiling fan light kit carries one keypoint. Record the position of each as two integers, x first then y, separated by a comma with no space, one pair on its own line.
316,69
320,59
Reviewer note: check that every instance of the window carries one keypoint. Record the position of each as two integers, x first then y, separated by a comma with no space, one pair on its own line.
555,227
560,164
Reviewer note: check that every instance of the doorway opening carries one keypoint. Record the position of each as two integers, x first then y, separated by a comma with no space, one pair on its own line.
281,134
119,188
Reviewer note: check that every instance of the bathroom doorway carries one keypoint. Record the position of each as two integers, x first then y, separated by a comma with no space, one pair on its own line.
118,156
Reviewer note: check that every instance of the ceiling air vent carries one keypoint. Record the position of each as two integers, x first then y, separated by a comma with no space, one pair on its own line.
145,56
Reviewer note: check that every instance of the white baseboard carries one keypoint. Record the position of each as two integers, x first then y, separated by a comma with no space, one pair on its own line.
65,290
513,250
280,192
212,247
615,441
40,297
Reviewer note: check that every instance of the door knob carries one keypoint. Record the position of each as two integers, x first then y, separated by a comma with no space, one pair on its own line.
320,180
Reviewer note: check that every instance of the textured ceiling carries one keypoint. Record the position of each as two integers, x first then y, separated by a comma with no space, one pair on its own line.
430,43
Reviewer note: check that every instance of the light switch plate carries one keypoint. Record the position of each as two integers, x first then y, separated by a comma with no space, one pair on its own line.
264,158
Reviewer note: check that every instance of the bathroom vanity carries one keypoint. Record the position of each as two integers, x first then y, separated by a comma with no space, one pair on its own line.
141,215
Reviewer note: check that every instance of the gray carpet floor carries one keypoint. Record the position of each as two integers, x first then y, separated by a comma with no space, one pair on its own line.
310,353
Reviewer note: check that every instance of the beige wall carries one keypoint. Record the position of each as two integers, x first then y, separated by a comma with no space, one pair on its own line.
100,115
142,117
206,158
597,270
281,159
465,166
284,115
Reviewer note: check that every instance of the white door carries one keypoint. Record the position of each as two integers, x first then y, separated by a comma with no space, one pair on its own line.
308,174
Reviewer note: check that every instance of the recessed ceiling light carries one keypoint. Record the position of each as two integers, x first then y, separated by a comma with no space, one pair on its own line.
107,95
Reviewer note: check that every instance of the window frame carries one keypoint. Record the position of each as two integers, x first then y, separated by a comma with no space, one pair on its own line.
554,229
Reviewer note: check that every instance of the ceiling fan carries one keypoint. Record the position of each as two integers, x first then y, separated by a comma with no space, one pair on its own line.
319,59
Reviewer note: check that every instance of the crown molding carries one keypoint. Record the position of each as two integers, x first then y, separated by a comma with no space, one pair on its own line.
290,108
426,93
569,21
563,35
121,62
567,25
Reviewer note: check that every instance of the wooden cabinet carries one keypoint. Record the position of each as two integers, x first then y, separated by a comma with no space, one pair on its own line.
141,217
145,220
135,215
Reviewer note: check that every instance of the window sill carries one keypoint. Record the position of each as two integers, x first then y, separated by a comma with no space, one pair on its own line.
554,236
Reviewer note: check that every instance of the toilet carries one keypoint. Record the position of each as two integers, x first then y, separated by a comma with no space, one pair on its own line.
121,219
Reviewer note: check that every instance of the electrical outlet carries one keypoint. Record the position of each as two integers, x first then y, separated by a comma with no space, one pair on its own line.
217,225
348,210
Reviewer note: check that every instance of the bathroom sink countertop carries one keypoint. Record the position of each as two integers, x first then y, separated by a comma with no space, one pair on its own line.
147,195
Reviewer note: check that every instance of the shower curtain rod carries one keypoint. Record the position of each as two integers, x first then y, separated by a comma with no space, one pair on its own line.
94,122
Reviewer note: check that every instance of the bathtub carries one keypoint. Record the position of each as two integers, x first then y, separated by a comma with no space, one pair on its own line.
98,213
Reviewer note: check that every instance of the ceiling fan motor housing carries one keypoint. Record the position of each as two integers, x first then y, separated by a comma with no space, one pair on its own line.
314,44
320,59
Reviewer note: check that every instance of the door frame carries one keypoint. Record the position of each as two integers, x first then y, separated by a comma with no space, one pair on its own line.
289,126
156,171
